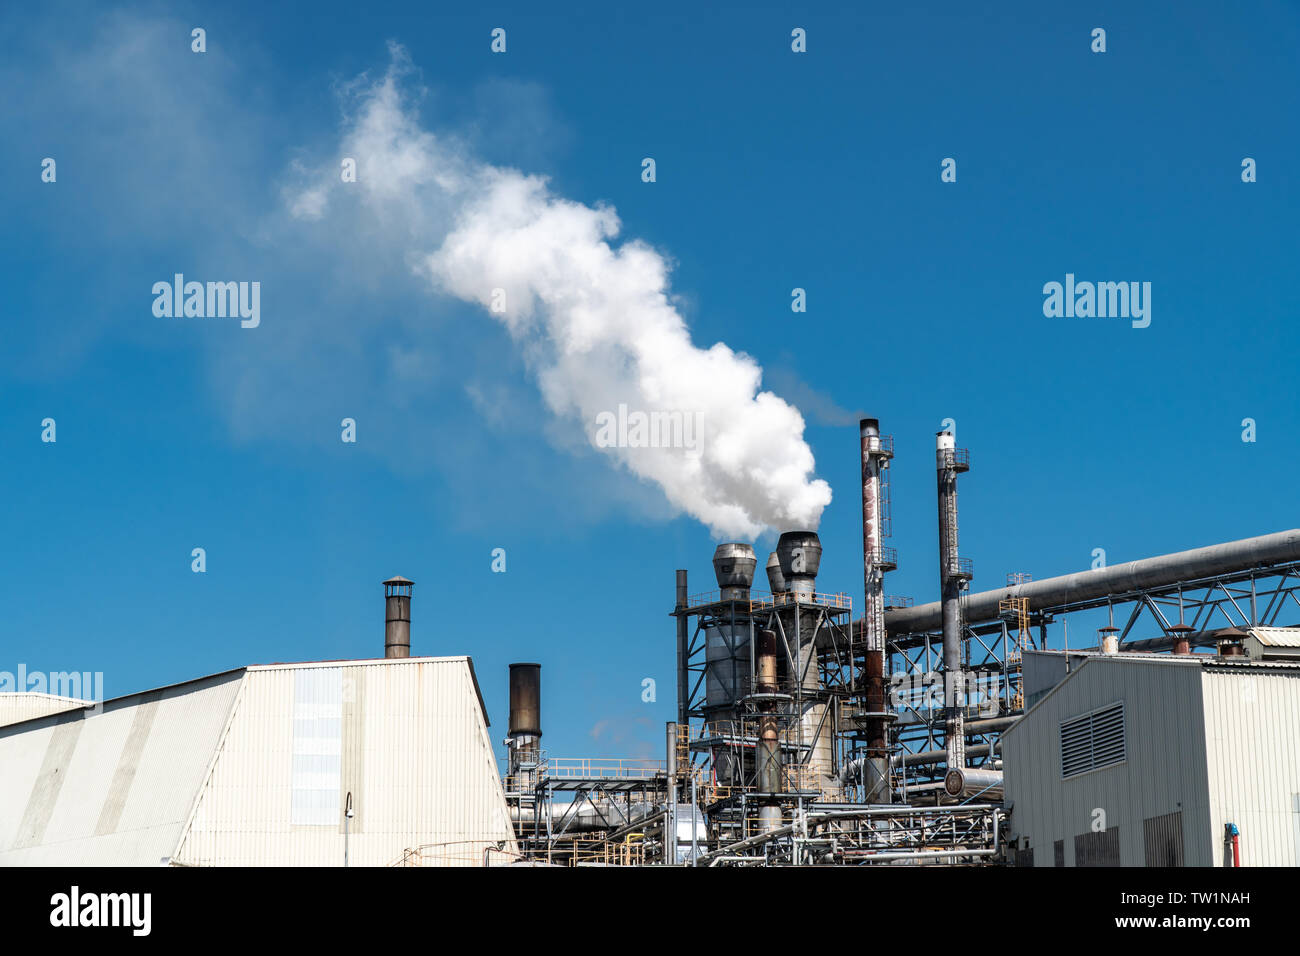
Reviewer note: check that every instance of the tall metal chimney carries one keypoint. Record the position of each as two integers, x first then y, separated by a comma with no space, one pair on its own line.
525,700
682,597
800,555
954,574
397,617
875,459
767,762
524,737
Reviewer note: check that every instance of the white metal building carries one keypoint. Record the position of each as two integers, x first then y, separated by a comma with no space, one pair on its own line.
1145,759
254,767
17,707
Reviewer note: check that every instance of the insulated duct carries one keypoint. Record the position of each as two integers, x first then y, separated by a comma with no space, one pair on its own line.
1232,557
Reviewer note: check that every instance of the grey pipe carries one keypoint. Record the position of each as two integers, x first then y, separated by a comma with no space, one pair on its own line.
1168,569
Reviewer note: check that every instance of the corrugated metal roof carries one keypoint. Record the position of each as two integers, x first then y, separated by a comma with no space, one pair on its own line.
1276,636
17,707
111,786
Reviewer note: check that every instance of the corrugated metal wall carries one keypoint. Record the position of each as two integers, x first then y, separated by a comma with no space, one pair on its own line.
1164,770
1252,726
409,743
114,787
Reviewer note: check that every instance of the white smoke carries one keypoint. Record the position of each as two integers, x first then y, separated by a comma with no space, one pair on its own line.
594,320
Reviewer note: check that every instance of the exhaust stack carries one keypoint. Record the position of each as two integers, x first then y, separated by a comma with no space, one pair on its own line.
733,565
775,580
525,700
397,616
954,574
800,556
875,458
768,754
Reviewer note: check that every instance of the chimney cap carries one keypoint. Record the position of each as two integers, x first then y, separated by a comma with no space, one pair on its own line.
398,579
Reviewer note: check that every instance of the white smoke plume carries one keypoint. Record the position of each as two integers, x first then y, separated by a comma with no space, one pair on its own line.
595,320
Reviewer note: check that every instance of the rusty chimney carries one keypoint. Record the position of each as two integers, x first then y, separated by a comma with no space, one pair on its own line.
1180,635
397,617
1232,642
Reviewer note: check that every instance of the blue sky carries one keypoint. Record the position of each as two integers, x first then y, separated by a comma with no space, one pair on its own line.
775,170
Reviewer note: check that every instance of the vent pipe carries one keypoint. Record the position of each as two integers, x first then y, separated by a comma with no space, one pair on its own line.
953,576
397,617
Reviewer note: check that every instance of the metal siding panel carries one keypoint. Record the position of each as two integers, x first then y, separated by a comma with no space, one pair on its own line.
1252,720
1164,770
430,777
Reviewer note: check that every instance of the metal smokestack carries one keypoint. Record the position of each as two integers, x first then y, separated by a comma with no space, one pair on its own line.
875,458
775,580
953,577
733,565
800,555
768,753
525,700
683,650
397,617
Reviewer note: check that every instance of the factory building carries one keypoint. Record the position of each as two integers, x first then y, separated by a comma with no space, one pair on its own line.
383,762
1157,760
17,707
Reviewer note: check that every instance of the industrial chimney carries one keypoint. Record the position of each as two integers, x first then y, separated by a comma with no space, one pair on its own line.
397,617
801,621
733,565
523,739
954,575
525,700
775,582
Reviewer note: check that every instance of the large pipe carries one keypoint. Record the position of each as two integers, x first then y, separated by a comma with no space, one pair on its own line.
768,754
874,460
951,582
1263,551
970,781
397,617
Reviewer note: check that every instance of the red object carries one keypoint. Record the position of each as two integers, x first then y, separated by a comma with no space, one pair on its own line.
1236,850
